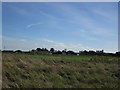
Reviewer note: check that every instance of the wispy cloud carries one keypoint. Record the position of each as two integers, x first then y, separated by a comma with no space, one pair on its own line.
75,47
79,24
16,43
82,18
23,40
19,10
61,45
23,44
105,14
50,41
34,24
55,43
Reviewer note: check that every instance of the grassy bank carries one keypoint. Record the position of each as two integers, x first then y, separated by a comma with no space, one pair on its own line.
59,71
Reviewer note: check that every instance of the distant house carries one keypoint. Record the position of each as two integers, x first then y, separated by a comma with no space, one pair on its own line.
78,54
18,51
63,53
92,52
56,52
39,52
26,52
71,53
43,52
83,52
99,51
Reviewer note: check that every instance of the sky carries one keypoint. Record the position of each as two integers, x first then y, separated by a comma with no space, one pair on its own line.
73,26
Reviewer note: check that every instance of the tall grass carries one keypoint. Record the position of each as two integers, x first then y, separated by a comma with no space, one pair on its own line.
59,71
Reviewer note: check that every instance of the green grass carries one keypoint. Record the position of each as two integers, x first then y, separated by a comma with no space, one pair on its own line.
59,71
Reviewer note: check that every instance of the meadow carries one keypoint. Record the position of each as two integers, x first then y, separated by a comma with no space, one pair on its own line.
59,71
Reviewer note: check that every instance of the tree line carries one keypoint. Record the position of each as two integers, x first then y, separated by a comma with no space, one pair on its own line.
64,52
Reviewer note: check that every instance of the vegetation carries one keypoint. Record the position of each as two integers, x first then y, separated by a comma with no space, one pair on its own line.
65,52
0,70
59,71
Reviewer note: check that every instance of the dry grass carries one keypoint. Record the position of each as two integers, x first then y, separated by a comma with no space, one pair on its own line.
0,70
59,71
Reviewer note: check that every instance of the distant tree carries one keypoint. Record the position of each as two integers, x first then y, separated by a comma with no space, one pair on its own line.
8,51
92,52
117,53
46,49
19,51
59,52
32,50
84,52
71,53
102,51
43,49
38,49
52,50
65,50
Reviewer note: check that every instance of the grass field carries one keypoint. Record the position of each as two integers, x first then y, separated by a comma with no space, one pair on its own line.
0,70
59,71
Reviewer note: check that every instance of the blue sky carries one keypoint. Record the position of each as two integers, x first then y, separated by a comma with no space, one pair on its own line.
73,26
